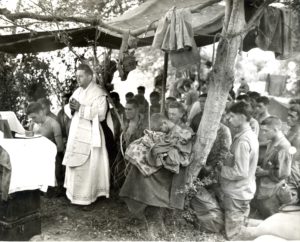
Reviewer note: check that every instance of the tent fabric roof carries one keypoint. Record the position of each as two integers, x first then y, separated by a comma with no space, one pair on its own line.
205,25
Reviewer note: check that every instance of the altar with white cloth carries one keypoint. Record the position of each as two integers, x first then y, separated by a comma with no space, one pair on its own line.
27,165
32,163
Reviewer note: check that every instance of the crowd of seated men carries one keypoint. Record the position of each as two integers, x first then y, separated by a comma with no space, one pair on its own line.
256,160
256,163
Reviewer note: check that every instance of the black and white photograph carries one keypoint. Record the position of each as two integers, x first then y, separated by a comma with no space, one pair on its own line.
150,120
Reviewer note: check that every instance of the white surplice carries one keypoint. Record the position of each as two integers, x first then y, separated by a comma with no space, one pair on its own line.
86,158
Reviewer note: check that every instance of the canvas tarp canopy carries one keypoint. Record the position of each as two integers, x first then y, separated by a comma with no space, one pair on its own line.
206,24
275,31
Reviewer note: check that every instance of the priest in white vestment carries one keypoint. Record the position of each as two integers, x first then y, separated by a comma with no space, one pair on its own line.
86,158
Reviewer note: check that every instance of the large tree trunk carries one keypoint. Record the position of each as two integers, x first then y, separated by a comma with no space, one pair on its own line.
219,87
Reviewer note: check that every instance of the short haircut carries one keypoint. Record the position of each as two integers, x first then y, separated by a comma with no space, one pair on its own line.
241,108
44,101
133,102
141,88
263,99
243,97
186,83
272,121
294,101
129,95
253,95
203,95
115,95
155,94
295,108
85,68
177,105
34,107
170,98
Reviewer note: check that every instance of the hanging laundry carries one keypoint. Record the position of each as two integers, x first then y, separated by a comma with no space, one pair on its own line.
175,35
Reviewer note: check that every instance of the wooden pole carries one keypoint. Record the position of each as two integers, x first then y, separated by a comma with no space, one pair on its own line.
164,82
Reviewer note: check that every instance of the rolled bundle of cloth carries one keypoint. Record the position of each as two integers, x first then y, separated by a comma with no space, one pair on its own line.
156,150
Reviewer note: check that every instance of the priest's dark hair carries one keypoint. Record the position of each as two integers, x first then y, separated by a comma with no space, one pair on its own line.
86,68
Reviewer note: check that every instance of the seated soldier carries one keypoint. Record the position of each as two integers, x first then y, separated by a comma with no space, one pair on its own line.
116,100
262,113
196,110
145,196
135,125
177,114
167,103
142,102
272,190
293,121
244,87
191,95
154,100
49,128
133,129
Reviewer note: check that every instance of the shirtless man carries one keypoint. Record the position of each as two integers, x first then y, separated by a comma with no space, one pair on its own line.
49,128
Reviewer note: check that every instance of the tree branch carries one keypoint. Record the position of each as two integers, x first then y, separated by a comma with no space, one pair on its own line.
237,5
19,25
204,5
227,15
58,18
258,13
256,16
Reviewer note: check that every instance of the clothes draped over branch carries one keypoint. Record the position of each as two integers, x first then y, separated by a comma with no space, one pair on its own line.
175,35
276,31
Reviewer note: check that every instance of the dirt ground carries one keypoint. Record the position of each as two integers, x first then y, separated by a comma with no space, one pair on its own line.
109,220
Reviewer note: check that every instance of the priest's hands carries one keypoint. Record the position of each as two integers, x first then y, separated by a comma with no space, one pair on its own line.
74,105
